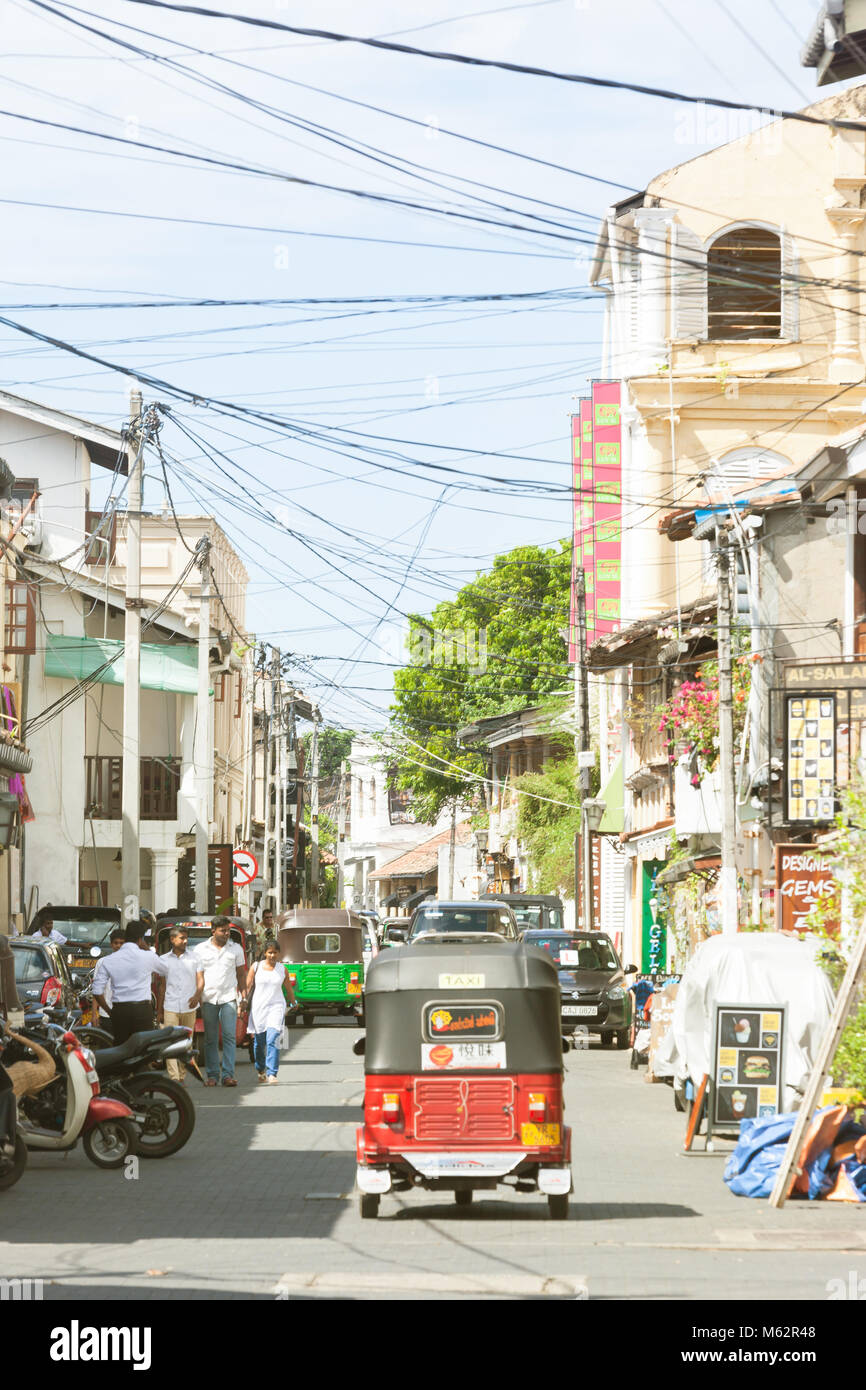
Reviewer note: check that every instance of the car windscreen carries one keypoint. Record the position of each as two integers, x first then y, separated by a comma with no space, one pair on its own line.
581,953
94,930
462,919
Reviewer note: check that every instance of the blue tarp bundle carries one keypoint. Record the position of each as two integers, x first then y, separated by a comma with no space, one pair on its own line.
754,1164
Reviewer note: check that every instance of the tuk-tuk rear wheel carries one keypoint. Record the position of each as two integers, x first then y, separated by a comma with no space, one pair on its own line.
308,1020
463,1197
291,1020
369,1205
557,1205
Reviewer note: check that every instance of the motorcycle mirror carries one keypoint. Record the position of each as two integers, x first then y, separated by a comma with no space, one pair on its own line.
631,970
95,953
359,1047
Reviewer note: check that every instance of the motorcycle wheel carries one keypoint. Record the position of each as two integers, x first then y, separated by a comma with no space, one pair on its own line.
108,1145
94,1038
12,1168
170,1115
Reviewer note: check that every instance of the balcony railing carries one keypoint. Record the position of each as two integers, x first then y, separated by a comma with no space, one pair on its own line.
103,796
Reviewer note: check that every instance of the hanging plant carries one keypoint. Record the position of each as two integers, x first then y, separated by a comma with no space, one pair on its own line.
690,718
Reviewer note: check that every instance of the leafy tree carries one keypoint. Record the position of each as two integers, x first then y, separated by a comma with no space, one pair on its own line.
334,746
548,828
497,646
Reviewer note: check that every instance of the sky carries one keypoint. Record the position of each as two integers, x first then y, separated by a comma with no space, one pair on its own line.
411,439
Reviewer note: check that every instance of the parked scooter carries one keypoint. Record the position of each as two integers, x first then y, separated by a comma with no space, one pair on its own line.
69,1107
162,1109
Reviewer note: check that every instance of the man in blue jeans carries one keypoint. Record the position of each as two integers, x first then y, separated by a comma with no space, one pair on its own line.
220,983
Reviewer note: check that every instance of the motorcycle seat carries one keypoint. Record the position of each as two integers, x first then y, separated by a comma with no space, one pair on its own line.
137,1043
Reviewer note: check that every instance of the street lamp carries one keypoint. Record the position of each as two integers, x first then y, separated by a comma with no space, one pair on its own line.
592,809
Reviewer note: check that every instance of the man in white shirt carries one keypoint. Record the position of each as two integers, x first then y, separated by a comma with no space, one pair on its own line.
47,930
220,982
130,971
175,986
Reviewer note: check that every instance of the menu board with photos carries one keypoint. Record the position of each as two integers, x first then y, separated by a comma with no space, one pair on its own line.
748,1079
810,749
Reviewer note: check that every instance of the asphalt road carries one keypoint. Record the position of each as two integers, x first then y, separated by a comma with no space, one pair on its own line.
260,1204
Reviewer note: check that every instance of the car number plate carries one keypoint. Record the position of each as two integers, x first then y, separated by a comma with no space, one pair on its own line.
580,1010
540,1136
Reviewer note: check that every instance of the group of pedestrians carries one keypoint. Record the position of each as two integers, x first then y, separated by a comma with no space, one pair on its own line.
213,976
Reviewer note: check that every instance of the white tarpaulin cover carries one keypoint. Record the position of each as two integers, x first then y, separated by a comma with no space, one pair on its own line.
750,968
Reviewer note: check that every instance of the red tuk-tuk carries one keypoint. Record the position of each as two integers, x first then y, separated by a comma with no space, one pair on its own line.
198,927
463,1073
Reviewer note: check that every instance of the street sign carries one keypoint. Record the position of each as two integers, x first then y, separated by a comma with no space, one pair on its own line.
244,868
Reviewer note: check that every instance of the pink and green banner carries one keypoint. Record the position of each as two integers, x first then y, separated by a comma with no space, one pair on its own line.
597,480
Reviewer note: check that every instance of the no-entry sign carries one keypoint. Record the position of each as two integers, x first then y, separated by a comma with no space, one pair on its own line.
245,867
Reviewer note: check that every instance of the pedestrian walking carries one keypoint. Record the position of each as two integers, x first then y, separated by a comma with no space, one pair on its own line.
268,982
129,972
175,981
220,983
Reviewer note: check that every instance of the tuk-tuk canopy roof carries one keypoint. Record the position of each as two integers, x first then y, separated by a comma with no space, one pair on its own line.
318,918
503,965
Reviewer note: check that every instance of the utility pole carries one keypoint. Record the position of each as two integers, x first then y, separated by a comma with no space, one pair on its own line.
341,836
451,845
583,870
279,806
201,749
728,873
131,789
314,812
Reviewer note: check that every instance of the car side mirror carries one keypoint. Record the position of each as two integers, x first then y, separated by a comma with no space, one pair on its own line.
398,934
566,1044
632,970
359,1047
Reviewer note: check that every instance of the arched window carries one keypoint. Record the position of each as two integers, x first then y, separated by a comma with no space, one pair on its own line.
741,284
744,285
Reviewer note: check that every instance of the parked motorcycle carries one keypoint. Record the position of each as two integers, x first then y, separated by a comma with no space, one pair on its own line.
162,1109
74,1021
69,1106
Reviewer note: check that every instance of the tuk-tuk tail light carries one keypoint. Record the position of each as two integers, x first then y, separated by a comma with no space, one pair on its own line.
537,1107
391,1111
293,979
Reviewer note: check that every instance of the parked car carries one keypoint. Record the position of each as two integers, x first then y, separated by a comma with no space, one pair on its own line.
435,918
84,928
41,973
398,924
532,911
591,981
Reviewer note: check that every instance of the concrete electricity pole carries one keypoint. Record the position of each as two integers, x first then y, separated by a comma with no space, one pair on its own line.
341,836
583,870
279,802
728,873
201,742
131,789
314,812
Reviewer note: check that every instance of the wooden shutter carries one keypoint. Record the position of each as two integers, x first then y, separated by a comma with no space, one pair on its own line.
689,285
790,288
21,617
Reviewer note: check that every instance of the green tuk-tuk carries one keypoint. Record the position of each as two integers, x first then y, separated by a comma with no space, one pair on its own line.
323,952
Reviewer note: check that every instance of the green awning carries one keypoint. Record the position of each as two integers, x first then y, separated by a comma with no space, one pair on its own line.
173,668
613,794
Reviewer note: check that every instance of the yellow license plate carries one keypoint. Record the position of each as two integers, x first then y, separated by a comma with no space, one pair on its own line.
353,989
538,1136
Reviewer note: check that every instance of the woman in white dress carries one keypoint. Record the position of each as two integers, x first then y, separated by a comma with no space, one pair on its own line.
272,990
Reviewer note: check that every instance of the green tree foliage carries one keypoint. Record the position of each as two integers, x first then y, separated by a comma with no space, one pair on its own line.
548,829
512,619
334,746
